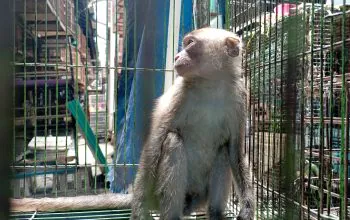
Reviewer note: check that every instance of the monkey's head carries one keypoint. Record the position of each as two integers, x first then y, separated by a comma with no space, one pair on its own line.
209,53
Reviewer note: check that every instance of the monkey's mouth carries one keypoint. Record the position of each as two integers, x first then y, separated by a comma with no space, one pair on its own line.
181,67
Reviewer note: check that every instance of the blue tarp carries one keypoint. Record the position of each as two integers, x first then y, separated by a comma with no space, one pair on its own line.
145,47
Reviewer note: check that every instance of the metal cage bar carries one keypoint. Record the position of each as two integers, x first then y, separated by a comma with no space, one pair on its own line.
81,74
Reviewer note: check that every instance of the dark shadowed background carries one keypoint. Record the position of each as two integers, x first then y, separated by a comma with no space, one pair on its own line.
6,92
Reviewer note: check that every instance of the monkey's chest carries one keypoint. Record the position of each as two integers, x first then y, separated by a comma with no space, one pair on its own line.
204,123
202,141
204,129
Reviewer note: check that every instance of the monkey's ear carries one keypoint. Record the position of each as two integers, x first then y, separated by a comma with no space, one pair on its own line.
232,46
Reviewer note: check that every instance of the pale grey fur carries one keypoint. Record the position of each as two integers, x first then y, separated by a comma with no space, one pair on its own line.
88,202
195,145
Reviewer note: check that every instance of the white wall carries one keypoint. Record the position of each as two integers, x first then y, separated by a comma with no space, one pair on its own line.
172,42
111,77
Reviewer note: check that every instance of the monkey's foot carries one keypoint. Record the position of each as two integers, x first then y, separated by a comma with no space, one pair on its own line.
246,214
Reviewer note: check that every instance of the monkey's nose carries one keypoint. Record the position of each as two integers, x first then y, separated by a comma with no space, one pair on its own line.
177,57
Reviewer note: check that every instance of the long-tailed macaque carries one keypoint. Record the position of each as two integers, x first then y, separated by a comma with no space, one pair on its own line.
195,144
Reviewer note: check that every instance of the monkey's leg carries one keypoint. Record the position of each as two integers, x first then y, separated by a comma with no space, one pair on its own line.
171,181
140,206
242,181
219,186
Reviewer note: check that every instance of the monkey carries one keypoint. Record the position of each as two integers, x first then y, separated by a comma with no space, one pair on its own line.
194,150
195,146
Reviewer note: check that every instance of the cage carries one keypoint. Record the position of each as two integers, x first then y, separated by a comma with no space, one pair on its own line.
86,74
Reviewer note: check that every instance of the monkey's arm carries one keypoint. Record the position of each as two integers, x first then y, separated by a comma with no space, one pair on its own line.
89,202
242,176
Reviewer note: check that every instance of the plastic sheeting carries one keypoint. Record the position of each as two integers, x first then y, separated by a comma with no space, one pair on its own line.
146,23
146,39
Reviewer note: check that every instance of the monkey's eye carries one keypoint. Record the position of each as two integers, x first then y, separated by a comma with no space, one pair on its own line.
188,41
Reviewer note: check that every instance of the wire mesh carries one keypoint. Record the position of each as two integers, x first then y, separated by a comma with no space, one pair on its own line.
75,128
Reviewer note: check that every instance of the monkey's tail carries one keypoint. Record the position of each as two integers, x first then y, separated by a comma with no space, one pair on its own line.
88,202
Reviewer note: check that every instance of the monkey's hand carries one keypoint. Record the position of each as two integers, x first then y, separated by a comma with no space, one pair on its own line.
246,214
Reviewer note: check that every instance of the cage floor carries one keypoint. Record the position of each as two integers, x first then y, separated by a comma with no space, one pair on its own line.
91,214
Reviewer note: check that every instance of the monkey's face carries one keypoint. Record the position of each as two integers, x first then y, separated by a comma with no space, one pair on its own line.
208,53
188,59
